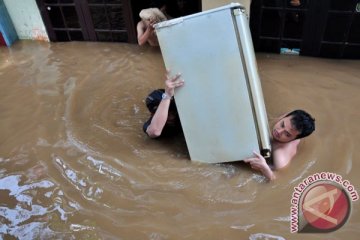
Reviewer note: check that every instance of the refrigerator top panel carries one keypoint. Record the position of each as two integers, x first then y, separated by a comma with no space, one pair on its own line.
195,15
215,104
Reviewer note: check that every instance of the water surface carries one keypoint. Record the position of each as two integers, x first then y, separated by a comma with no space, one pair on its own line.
75,164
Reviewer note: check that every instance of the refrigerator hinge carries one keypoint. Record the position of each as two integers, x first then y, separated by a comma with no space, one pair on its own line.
239,11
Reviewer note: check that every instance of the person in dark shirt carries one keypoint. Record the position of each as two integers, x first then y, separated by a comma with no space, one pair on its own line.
164,119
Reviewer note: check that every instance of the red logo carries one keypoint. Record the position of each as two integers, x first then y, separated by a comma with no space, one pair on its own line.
325,208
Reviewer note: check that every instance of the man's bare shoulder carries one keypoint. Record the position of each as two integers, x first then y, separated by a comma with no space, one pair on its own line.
282,146
141,23
141,26
284,152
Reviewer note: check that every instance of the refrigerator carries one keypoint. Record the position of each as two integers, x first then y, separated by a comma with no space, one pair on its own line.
221,105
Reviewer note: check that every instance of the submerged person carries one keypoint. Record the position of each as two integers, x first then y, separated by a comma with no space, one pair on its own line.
164,119
286,133
145,28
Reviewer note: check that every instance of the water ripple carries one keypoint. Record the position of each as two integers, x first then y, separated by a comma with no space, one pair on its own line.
88,189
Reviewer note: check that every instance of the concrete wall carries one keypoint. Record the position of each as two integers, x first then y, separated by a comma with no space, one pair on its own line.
209,4
26,18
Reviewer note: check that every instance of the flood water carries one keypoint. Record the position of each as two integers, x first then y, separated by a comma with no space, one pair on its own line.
75,163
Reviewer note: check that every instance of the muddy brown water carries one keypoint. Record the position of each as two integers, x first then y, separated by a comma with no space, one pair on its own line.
75,164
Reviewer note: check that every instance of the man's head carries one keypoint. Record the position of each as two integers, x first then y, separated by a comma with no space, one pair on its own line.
152,15
296,124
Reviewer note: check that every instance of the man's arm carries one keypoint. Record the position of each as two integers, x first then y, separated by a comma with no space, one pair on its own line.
258,162
282,156
160,117
144,32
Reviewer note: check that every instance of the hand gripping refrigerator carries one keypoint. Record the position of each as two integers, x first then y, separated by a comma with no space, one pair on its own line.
221,105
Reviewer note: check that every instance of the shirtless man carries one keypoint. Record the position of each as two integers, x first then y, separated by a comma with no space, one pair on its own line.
286,133
145,28
164,119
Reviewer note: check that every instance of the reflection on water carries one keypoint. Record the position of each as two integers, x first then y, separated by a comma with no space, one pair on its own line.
28,205
75,164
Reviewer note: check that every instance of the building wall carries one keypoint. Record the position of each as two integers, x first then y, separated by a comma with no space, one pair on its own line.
209,4
28,23
26,18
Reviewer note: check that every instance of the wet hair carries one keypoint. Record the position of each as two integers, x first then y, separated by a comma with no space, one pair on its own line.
152,14
303,122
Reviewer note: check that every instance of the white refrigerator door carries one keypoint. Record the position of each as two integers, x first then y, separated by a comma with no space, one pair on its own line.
214,105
